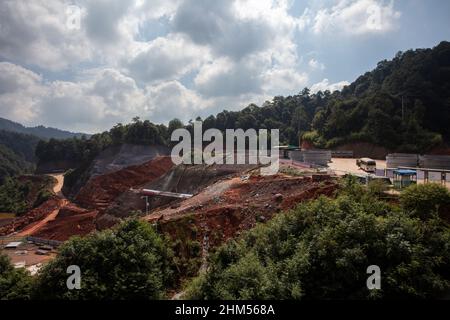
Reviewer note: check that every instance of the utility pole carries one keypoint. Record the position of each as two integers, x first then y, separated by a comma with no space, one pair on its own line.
147,204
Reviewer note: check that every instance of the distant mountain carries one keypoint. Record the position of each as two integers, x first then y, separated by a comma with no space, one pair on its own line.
39,131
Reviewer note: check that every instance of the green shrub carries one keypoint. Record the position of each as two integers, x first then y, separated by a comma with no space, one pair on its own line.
423,200
130,262
15,284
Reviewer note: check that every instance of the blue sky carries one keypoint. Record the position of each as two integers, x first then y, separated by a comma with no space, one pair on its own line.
86,65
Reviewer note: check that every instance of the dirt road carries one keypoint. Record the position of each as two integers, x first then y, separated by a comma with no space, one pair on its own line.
59,184
35,227
57,189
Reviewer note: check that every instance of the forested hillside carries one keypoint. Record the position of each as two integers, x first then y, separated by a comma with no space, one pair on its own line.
16,154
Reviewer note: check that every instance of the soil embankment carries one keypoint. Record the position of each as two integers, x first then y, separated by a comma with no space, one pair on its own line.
228,207
102,190
190,179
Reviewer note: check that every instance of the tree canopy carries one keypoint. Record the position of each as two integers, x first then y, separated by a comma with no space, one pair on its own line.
322,249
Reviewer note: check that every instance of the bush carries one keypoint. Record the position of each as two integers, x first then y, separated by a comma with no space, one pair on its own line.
321,250
423,200
15,284
130,262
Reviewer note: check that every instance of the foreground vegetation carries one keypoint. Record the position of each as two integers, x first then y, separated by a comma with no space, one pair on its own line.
129,262
319,250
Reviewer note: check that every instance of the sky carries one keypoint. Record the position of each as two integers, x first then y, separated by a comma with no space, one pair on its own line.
86,65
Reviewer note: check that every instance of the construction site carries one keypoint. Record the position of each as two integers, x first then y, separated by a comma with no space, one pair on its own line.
208,204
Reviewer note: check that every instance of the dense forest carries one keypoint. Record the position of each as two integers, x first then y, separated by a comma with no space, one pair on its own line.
402,105
17,154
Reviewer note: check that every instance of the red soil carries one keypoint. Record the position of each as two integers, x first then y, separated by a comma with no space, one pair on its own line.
70,221
34,218
226,208
101,190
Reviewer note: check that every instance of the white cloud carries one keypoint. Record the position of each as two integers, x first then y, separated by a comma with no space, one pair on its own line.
35,32
316,65
355,17
99,99
284,81
326,85
171,99
165,58
209,55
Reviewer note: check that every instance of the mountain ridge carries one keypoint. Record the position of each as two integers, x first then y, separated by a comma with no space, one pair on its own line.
39,131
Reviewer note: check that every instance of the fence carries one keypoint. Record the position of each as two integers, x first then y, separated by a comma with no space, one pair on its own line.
5,240
342,154
53,243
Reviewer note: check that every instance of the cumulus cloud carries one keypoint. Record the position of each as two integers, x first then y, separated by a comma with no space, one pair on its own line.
207,56
234,28
103,97
326,85
356,17
316,65
224,77
284,81
95,101
171,99
35,32
165,58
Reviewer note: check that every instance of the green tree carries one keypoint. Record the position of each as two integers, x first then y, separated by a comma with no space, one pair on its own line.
15,284
321,250
130,262
423,200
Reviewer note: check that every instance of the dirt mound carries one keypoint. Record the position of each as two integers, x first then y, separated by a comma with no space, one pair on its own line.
101,190
70,221
33,217
226,208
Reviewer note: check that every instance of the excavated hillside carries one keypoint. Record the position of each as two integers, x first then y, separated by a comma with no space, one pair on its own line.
189,179
36,216
70,221
102,190
226,208
112,159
